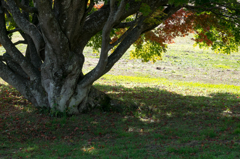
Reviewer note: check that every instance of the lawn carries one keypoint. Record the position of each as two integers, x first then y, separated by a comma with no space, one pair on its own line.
188,107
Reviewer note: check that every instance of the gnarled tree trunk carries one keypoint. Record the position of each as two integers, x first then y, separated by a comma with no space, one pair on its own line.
56,32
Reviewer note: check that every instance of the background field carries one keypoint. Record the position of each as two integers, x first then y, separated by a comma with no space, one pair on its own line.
181,62
188,107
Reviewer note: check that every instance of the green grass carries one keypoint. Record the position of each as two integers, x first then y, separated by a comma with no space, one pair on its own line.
181,62
174,120
190,109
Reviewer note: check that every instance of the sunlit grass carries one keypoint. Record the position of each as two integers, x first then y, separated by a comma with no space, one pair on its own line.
186,88
223,66
3,82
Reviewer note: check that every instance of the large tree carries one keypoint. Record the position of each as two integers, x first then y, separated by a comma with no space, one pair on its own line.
49,73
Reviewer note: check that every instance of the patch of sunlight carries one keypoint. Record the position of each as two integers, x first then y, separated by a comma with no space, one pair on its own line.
94,122
174,85
113,92
147,120
141,131
24,108
30,149
89,149
222,66
3,82
229,113
130,129
169,114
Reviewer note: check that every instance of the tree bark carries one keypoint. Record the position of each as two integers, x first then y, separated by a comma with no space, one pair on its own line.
50,73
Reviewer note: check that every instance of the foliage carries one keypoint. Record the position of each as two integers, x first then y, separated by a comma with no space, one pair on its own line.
149,51
210,31
221,34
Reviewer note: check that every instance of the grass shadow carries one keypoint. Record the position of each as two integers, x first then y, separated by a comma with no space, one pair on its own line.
166,125
161,101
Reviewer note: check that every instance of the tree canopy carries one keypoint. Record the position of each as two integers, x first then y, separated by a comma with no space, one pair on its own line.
49,73
214,24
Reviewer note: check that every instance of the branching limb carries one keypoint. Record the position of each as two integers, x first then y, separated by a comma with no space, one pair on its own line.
9,76
26,26
219,11
13,31
4,5
52,31
32,54
26,8
132,24
121,38
20,42
125,25
14,52
113,19
123,46
119,11
20,83
6,8
128,39
14,66
169,11
81,23
2,58
91,5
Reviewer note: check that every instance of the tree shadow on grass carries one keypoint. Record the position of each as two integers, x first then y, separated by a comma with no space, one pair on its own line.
165,123
161,100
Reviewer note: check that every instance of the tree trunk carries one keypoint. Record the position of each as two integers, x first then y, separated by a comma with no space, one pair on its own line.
62,85
81,100
50,73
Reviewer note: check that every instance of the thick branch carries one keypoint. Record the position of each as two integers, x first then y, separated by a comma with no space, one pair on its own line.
26,26
122,48
13,79
14,66
26,8
4,5
124,25
32,52
132,37
20,42
119,52
52,32
71,15
13,31
123,36
221,12
113,18
91,5
2,58
120,10
22,85
13,51
92,25
78,27
95,22
169,11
